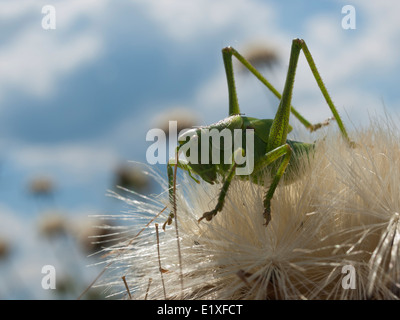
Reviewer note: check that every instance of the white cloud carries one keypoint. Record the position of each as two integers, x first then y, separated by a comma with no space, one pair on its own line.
348,60
10,8
188,20
372,46
33,60
81,161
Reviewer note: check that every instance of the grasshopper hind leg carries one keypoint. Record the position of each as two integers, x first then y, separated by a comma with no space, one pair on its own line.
284,151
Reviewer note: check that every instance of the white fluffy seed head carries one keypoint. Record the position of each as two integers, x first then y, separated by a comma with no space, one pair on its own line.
342,211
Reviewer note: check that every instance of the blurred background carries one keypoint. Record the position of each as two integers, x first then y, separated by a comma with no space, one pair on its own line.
77,101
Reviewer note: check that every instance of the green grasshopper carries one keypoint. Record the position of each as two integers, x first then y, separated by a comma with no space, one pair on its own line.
272,150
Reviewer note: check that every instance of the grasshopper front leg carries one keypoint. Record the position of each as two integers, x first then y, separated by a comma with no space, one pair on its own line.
171,190
224,190
269,158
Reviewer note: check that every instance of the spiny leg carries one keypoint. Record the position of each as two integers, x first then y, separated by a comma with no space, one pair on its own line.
325,93
224,190
233,104
171,191
233,101
274,184
284,150
280,126
171,178
279,129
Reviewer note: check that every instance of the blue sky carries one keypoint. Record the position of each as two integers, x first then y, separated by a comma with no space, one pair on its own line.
77,101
